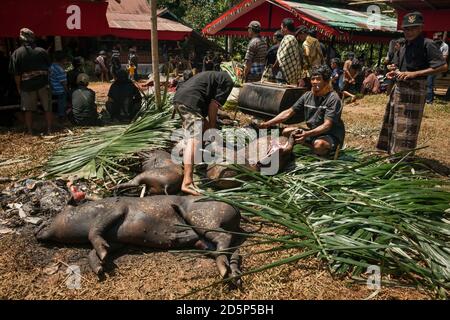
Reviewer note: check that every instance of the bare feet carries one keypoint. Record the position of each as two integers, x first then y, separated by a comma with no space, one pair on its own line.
190,189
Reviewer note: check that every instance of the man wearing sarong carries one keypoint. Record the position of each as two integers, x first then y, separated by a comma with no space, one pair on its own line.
288,55
255,57
417,59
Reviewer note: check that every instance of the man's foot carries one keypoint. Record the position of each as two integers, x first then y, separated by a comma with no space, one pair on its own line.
190,189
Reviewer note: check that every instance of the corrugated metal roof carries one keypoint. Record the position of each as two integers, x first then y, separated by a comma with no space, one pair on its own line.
344,18
135,15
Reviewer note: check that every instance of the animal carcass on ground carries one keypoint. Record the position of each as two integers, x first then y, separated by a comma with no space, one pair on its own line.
154,222
160,174
262,152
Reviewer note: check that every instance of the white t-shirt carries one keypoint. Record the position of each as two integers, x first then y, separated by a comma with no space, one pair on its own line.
444,49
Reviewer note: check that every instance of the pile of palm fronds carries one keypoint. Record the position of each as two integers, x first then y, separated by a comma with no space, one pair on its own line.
353,214
99,152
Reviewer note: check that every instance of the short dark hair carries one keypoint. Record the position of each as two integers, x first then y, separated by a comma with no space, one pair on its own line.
350,54
302,29
322,70
288,23
401,41
278,35
336,60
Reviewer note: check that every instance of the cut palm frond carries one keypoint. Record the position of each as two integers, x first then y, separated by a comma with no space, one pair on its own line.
99,152
353,214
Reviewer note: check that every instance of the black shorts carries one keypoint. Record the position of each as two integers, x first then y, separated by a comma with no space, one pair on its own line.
332,140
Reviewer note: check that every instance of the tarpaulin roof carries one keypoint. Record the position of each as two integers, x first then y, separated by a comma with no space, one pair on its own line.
330,21
53,17
346,19
131,19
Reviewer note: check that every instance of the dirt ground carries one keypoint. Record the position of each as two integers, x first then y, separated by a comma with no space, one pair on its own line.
29,270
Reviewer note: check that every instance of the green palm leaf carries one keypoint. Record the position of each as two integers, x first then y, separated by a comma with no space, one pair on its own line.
100,152
356,213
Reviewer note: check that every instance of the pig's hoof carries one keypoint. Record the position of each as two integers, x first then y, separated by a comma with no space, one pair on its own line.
95,263
102,248
98,270
222,265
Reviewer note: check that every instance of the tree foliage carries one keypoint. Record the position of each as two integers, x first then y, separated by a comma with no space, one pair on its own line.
198,13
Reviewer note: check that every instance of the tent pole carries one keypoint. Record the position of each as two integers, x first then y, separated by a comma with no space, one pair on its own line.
230,45
155,56
371,52
380,53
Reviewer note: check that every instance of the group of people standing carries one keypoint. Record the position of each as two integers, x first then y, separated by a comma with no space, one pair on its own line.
44,80
298,58
107,67
291,58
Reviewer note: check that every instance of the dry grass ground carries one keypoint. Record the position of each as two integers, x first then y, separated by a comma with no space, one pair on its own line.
29,270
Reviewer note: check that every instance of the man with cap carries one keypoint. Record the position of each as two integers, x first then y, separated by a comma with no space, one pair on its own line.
255,57
417,59
84,109
443,47
30,65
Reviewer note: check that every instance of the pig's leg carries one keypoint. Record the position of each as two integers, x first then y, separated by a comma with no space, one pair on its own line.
135,182
235,264
223,243
220,239
100,226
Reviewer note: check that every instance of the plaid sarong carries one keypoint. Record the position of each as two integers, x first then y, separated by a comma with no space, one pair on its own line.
403,116
288,57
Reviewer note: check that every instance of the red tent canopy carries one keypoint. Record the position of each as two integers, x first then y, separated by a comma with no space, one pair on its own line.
53,17
74,18
235,21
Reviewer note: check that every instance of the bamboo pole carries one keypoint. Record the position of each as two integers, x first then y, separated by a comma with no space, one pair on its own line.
155,56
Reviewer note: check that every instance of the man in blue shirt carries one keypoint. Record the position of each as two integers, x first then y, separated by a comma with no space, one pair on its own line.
58,81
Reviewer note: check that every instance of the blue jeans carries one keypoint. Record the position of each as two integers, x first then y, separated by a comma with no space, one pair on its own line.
62,104
430,88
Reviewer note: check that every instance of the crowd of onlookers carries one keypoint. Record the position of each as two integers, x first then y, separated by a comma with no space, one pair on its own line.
287,57
294,51
46,80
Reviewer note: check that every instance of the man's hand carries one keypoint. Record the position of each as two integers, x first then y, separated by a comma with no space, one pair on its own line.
406,75
301,136
264,125
391,74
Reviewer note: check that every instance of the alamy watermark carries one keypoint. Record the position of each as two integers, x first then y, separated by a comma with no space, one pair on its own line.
73,279
374,19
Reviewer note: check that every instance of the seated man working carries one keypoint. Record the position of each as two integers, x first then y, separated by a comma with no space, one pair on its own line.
322,109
